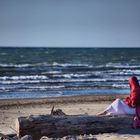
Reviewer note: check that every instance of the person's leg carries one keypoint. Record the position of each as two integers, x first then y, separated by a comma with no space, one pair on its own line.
112,108
102,113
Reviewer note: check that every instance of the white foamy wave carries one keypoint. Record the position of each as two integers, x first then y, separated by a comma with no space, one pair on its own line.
59,80
129,71
73,65
75,80
87,80
71,75
124,72
119,73
22,81
7,88
120,85
30,88
44,64
23,77
118,65
138,66
24,65
51,72
45,87
15,65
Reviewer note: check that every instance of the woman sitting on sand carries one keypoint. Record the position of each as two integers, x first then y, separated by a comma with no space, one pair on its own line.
128,105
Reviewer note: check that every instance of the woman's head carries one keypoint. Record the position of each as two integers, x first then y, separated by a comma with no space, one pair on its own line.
134,91
133,82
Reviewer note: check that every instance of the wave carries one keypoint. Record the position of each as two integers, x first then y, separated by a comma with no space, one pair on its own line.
60,88
71,75
71,65
45,87
51,72
62,80
23,81
44,64
124,73
24,65
117,65
24,77
54,74
120,85
15,65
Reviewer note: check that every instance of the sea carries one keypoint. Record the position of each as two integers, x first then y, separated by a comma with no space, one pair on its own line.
54,72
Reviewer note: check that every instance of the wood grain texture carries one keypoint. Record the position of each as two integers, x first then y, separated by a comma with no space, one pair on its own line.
59,126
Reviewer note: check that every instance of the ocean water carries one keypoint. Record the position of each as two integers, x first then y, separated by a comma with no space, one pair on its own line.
47,72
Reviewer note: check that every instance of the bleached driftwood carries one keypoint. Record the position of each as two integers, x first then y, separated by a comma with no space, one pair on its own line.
59,126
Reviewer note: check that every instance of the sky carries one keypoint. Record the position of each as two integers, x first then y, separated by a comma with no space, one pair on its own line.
70,23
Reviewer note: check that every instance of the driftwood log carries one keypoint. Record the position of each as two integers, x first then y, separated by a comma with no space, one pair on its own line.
59,126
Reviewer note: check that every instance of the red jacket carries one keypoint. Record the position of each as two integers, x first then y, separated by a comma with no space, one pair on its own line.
134,97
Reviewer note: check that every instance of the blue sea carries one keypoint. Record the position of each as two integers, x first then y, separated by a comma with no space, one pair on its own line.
49,72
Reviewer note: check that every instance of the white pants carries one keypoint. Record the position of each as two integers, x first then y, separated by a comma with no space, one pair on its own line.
120,107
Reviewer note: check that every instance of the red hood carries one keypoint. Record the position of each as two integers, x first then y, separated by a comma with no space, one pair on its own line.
134,97
133,82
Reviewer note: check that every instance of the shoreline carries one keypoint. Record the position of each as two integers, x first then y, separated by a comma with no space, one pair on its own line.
62,99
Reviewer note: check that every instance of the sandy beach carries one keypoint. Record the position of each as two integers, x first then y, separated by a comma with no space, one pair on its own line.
90,104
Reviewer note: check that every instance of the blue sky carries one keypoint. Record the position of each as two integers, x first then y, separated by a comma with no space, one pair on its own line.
70,23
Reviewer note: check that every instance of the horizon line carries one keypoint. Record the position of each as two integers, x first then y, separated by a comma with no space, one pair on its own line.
69,47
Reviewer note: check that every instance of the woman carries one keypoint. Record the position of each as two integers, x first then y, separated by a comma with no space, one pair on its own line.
128,105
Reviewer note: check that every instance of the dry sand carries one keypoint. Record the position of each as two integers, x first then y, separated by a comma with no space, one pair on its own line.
11,109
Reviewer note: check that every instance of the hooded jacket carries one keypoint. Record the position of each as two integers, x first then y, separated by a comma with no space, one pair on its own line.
134,97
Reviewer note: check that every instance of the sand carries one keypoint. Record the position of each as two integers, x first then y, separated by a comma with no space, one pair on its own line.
11,109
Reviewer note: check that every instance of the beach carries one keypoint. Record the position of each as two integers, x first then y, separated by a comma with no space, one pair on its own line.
62,63
73,105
